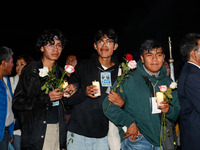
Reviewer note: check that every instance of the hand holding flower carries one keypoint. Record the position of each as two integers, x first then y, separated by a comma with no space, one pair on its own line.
116,99
128,65
55,95
167,100
70,90
164,107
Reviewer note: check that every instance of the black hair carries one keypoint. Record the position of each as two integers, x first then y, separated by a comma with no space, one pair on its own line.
149,45
5,54
27,58
111,34
48,36
189,43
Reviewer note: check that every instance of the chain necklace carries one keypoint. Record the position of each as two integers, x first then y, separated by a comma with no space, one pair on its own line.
154,85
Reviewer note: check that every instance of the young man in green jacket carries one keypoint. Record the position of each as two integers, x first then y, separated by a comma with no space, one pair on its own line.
143,124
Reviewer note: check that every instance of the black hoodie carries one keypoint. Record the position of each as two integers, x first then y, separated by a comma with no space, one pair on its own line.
87,116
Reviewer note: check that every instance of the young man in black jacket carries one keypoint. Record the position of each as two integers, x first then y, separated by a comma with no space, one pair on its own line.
88,123
41,115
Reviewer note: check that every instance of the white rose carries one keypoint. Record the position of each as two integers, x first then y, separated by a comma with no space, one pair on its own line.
43,72
173,85
132,64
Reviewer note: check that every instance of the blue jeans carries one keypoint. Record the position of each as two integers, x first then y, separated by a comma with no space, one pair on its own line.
5,141
79,142
140,143
17,142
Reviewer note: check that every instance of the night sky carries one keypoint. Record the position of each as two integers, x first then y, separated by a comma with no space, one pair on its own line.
134,21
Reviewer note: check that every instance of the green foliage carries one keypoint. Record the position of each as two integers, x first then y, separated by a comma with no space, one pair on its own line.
52,82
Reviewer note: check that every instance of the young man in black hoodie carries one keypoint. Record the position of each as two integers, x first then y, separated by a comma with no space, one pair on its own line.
88,123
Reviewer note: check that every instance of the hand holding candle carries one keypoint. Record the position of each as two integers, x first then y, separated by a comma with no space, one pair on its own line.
160,97
97,84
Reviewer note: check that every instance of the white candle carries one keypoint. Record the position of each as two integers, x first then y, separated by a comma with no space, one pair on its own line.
97,84
159,98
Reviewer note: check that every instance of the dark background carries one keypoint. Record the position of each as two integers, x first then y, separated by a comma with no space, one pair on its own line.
134,21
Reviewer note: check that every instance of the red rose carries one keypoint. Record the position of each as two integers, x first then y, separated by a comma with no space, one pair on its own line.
129,57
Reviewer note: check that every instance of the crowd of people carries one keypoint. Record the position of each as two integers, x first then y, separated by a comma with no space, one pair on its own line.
105,108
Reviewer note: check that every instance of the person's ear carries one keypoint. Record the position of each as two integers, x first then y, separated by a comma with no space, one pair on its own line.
163,58
95,46
42,49
4,64
142,58
115,46
193,55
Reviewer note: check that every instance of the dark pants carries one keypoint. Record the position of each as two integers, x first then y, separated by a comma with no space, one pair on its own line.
5,141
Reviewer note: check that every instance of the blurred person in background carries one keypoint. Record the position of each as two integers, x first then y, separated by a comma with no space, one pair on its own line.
70,60
21,61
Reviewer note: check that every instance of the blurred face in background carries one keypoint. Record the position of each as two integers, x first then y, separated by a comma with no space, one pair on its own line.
20,65
71,60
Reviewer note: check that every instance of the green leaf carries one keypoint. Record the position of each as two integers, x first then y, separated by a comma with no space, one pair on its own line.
43,87
60,87
168,91
47,91
169,96
118,78
123,66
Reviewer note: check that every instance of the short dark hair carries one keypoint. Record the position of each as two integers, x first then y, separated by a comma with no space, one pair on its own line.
189,43
5,54
111,34
149,45
48,36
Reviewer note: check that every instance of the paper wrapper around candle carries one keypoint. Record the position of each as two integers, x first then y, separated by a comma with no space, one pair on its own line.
64,85
160,97
97,84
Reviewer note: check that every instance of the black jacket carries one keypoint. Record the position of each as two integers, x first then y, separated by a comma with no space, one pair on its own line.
32,105
87,116
188,94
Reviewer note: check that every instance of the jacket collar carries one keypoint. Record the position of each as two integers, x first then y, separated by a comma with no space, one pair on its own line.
95,58
162,72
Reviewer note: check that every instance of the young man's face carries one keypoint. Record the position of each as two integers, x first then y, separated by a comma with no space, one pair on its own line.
105,47
153,60
52,52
